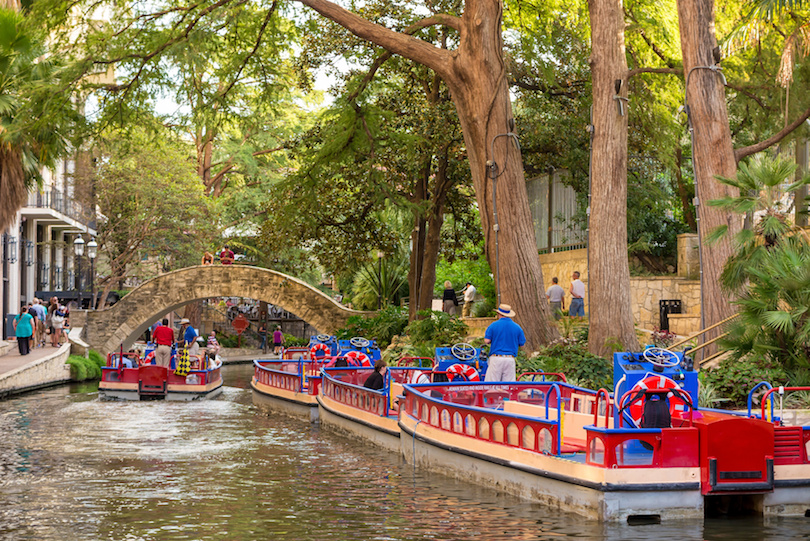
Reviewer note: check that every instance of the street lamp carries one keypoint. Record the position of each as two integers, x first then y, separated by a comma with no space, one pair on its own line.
78,249
92,252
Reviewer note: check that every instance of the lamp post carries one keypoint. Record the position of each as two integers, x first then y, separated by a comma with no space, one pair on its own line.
92,252
78,249
379,279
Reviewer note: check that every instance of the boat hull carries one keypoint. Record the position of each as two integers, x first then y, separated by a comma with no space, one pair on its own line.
294,404
613,496
345,419
174,393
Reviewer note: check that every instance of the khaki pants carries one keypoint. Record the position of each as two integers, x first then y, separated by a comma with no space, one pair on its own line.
163,356
466,310
39,332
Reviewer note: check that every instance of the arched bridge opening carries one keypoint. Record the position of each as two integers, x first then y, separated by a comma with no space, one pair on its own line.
106,330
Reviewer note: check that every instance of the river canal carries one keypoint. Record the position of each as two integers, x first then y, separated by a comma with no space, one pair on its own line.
75,468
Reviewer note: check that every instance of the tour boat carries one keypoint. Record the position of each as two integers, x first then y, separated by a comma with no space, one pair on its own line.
349,407
128,376
289,384
591,453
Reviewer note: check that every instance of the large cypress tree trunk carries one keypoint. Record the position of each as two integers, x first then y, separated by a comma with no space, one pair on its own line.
611,318
475,73
713,154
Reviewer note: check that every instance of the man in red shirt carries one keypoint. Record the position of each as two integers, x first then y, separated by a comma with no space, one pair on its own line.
163,337
226,256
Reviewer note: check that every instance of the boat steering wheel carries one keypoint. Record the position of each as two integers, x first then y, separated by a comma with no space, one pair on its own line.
661,357
322,337
359,342
463,351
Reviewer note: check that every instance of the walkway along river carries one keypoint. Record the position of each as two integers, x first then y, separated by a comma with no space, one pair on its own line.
75,468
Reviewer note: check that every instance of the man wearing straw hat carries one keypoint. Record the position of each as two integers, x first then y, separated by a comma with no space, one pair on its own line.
505,337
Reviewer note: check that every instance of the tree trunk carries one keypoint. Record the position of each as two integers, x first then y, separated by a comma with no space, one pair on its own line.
475,73
611,318
800,205
683,192
712,151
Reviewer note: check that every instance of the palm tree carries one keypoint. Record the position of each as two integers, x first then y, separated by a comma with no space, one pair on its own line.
770,271
32,115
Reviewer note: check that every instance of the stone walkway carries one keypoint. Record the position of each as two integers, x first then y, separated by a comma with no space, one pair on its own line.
13,360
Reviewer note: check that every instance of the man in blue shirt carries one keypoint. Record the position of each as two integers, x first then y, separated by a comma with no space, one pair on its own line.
189,337
505,337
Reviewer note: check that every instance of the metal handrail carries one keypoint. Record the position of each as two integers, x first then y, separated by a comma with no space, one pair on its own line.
699,333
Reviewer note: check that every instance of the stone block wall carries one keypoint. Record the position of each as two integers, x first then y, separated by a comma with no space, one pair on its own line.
645,291
42,373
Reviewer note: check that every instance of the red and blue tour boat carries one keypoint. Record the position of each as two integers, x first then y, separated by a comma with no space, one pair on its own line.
290,384
347,406
128,376
649,454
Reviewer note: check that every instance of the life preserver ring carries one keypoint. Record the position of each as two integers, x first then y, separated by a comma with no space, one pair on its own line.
313,351
358,358
636,410
150,357
464,370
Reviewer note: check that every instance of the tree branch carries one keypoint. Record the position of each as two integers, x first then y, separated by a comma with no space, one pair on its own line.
396,42
635,71
743,152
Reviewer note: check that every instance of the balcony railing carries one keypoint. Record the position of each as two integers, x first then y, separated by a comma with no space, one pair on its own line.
55,200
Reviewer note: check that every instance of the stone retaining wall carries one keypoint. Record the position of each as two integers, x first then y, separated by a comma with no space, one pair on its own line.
47,371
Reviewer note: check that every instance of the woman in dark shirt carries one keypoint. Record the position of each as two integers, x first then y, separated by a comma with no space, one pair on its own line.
449,300
376,380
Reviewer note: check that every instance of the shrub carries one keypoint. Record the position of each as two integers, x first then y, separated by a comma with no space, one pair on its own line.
437,328
97,358
662,338
733,379
291,341
82,368
387,323
579,366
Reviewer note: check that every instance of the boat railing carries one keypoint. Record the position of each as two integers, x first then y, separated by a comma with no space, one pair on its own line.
347,391
543,375
450,408
642,447
418,362
602,393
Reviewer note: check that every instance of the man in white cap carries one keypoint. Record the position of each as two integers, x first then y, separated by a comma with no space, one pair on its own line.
505,338
189,337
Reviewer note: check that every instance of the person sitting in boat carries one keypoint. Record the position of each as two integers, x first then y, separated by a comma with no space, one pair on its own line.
212,345
376,380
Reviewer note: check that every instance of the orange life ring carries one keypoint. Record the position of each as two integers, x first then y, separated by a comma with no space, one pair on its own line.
149,358
636,410
464,370
313,351
358,358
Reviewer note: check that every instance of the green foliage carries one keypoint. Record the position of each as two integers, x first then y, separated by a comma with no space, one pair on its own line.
227,340
82,368
462,271
291,341
733,379
770,271
382,281
97,358
434,328
579,366
383,326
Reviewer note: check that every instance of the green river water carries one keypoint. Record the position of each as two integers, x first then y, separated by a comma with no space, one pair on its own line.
76,468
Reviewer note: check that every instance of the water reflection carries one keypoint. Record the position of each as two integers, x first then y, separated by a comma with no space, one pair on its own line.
72,467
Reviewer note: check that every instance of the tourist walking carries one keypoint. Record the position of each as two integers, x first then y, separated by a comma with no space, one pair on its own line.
577,290
24,329
40,316
57,324
278,340
505,338
449,300
469,298
263,336
556,298
163,336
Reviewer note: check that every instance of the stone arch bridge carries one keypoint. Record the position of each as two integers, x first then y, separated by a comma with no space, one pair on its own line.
105,330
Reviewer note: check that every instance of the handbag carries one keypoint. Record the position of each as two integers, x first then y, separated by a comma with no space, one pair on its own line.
183,364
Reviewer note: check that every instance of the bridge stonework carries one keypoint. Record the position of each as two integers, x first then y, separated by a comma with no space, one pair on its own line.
106,330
